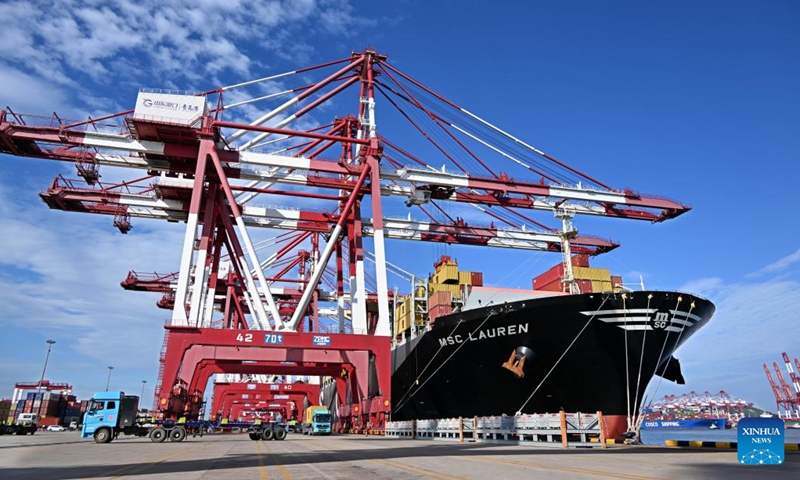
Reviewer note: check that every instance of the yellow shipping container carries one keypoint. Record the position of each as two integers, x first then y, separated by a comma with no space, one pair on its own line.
589,273
465,278
601,286
446,273
455,290
400,324
402,313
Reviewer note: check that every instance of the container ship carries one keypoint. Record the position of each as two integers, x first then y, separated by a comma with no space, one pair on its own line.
465,350
712,423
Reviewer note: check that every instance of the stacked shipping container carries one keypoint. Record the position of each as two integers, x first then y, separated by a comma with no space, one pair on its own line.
446,287
52,408
588,279
5,410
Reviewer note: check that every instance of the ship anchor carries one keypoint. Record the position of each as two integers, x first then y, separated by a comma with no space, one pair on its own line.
515,365
516,362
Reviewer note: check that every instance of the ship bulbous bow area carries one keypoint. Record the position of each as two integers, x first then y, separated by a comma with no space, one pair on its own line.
670,369
580,353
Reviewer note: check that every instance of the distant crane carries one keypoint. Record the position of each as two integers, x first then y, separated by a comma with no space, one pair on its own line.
787,402
793,376
21,387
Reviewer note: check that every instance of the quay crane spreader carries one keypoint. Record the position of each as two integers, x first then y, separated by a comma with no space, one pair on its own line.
204,170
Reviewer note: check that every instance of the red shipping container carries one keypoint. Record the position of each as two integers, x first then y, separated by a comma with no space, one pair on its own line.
477,279
547,277
553,285
580,261
441,310
615,281
47,421
440,298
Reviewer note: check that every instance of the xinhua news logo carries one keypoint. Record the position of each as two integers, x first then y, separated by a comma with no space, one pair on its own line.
761,441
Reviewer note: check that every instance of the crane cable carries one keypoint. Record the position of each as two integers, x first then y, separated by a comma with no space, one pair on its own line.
605,298
402,403
513,273
419,374
627,364
641,363
663,346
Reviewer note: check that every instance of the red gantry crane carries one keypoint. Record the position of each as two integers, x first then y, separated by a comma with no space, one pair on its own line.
338,183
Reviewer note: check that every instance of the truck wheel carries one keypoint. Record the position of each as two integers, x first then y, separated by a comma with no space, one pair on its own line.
268,434
177,434
254,435
280,434
102,435
158,435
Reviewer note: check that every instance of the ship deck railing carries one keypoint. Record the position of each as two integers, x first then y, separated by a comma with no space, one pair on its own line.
555,429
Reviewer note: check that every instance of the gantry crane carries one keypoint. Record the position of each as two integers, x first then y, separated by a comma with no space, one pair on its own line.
204,170
784,404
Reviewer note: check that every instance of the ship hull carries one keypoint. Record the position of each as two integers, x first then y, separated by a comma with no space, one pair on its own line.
695,423
574,349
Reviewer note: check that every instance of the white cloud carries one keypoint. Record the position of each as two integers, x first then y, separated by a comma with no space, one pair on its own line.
28,93
80,43
753,324
703,286
782,264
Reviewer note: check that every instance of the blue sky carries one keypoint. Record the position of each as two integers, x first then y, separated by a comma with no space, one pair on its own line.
695,101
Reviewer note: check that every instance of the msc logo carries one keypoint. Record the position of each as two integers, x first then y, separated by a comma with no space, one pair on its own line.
660,321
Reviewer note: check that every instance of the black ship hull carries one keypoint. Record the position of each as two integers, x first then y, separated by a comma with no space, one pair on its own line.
565,352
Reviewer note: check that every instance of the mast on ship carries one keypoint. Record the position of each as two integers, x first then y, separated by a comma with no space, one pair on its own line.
567,233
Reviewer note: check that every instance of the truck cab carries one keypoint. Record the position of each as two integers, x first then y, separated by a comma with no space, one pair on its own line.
317,421
27,423
108,414
112,413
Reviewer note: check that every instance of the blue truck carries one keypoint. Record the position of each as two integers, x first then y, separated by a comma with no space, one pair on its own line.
317,421
112,413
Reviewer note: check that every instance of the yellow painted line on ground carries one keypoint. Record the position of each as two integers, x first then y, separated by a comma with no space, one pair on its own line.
551,467
139,469
262,470
437,475
284,473
417,470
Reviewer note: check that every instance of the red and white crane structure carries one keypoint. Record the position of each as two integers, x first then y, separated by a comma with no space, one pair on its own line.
20,388
205,170
705,405
793,376
787,399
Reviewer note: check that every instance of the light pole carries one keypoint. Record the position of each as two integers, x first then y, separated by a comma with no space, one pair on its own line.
108,382
47,357
143,382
